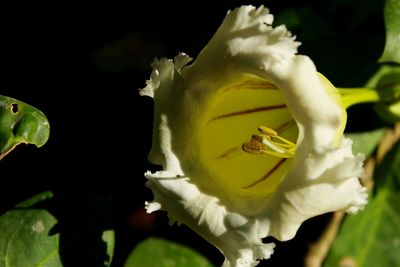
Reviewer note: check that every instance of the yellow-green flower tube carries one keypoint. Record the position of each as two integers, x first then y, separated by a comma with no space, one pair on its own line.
250,138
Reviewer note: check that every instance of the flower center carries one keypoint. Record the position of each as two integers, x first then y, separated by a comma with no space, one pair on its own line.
269,142
239,165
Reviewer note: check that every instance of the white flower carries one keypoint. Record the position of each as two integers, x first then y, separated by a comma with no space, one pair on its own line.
230,187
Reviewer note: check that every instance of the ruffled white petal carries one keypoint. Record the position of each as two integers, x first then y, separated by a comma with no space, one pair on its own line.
323,174
238,237
244,43
321,184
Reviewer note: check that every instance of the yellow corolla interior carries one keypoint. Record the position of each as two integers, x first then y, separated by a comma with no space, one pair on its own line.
233,116
335,95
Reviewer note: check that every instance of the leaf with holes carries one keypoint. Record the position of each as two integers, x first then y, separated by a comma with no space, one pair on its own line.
25,235
372,238
168,254
21,123
391,52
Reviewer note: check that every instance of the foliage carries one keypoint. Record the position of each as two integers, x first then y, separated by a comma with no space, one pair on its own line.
37,233
372,238
77,226
392,22
26,238
168,254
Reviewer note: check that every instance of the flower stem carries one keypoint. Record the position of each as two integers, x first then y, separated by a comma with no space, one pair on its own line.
352,96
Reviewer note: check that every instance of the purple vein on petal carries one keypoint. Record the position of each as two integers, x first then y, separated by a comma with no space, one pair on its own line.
253,85
285,126
248,111
229,153
268,174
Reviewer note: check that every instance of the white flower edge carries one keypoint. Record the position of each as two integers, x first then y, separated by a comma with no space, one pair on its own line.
322,178
238,237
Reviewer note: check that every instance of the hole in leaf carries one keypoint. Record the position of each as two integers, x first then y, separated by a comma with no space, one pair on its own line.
14,107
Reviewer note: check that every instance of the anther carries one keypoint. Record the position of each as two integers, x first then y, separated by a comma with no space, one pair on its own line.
269,142
259,138
267,131
253,147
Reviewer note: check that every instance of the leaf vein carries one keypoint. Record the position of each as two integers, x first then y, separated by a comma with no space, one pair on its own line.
6,259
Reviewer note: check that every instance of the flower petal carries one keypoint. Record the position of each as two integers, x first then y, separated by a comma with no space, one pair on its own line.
332,185
238,237
244,43
322,174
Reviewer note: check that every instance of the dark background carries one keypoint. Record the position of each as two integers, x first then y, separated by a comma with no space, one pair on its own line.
83,65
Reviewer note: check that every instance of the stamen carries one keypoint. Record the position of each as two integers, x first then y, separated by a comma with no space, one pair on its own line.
285,141
254,147
269,142
267,131
271,145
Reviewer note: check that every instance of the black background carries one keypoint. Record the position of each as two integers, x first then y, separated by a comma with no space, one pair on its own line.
83,65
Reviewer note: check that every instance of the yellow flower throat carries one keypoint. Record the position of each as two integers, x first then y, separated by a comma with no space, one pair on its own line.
238,158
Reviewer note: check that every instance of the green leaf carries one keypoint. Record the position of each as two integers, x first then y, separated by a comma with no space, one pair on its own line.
21,123
389,91
391,52
109,238
57,229
365,142
25,236
167,253
387,82
383,71
372,237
